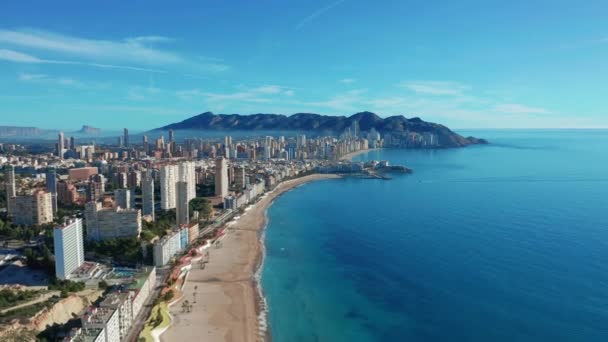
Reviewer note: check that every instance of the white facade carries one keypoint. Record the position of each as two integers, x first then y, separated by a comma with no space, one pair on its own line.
166,248
169,176
69,248
221,177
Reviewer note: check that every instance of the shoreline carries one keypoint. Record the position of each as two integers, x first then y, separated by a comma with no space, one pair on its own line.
230,305
350,156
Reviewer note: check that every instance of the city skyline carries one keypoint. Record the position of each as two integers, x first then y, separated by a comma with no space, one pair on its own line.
460,64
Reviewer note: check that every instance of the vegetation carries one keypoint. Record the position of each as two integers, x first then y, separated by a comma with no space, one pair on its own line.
66,286
103,285
203,206
27,312
164,220
40,259
159,318
10,297
125,250
67,211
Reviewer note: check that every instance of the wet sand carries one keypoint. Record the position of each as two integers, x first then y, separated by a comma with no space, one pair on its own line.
227,303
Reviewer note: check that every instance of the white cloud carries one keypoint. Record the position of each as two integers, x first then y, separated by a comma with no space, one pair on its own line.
129,50
100,53
317,14
514,108
19,57
43,78
435,87
32,77
348,80
261,94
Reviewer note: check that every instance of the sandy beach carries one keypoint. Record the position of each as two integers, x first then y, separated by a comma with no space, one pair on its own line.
350,156
227,304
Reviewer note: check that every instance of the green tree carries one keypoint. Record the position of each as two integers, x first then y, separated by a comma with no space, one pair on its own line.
202,205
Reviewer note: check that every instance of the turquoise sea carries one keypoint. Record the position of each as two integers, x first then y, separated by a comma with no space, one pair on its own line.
505,242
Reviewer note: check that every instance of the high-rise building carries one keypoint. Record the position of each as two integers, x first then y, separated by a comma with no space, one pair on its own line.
354,129
69,248
148,196
60,145
187,173
171,136
105,223
126,137
67,194
146,145
51,186
96,188
239,178
72,144
168,178
34,209
221,177
124,198
11,189
181,204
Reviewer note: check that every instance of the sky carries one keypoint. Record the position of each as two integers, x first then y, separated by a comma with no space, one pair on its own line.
145,64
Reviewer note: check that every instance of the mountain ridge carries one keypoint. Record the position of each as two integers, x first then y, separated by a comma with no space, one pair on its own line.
312,122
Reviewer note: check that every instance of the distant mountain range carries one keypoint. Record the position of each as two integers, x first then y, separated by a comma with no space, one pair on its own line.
89,130
14,131
35,132
308,122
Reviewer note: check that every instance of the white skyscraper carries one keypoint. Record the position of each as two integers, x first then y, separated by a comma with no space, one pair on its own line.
182,201
69,248
60,145
169,176
221,177
187,173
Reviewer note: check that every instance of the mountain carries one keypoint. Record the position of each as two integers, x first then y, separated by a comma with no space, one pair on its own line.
14,131
88,130
308,122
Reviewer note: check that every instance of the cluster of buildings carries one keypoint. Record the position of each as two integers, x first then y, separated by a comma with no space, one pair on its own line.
112,319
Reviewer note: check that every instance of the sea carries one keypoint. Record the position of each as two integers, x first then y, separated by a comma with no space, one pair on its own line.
503,242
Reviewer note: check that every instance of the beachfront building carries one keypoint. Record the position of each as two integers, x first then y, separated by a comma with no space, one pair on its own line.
170,245
166,247
104,223
100,324
221,177
142,287
69,248
121,302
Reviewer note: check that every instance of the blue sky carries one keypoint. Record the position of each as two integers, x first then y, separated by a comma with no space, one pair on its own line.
143,64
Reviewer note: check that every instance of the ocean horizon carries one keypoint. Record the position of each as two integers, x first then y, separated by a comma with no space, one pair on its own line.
504,242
